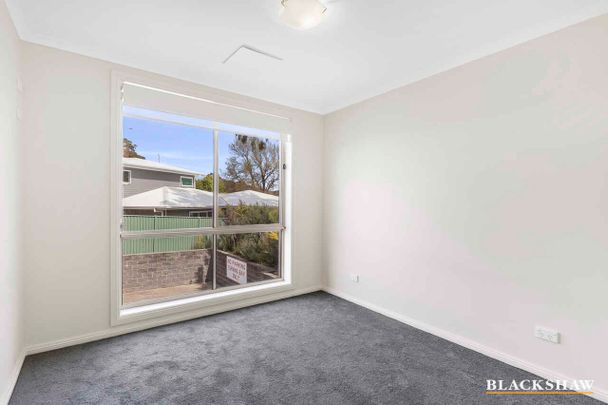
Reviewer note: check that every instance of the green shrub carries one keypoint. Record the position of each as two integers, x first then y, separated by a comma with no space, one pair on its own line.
250,214
202,242
262,248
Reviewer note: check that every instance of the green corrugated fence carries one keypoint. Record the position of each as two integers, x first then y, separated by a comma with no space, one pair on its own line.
151,223
171,244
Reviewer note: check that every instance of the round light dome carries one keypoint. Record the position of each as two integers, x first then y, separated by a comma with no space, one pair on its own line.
302,14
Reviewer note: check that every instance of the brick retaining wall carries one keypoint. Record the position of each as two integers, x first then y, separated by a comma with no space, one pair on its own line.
158,270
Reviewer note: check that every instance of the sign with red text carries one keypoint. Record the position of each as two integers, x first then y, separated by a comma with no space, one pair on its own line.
236,270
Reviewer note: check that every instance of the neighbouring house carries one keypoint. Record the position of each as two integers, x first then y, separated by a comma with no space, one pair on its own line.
141,175
152,188
173,201
190,202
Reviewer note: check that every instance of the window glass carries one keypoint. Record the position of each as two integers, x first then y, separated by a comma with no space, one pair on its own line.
174,244
187,181
247,258
171,169
250,179
164,268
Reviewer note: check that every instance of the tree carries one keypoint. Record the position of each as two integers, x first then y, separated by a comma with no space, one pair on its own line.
229,186
226,186
206,184
129,149
253,162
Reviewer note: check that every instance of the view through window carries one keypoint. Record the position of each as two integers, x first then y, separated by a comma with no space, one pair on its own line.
201,209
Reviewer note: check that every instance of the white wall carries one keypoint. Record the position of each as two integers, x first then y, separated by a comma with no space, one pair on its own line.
11,297
476,201
67,181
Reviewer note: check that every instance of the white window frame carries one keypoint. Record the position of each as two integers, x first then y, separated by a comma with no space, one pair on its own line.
181,183
228,298
123,176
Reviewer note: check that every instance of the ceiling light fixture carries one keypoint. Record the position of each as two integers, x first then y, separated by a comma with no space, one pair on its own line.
302,14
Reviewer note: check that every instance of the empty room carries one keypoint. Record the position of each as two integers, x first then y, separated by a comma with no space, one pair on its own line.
303,202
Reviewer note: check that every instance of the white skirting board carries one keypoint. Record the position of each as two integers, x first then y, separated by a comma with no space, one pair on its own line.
599,394
12,380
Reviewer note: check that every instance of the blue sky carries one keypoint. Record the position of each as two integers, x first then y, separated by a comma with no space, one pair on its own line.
179,145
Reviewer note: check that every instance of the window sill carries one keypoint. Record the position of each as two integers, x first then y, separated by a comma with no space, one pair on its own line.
197,303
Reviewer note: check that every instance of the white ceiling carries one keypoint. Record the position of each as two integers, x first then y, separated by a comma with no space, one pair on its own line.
361,49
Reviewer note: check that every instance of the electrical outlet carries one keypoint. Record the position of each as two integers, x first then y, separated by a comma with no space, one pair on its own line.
549,335
354,278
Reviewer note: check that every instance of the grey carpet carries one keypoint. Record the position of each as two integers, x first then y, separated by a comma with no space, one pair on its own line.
312,349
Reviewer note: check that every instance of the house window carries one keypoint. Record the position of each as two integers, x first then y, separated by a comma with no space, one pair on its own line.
126,177
201,214
186,181
224,231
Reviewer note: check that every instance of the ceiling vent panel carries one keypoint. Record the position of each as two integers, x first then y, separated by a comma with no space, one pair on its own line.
249,58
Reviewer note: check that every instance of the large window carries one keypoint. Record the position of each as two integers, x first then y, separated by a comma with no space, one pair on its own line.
202,211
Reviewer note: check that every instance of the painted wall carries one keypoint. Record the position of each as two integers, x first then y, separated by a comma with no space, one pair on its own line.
475,202
67,98
11,297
